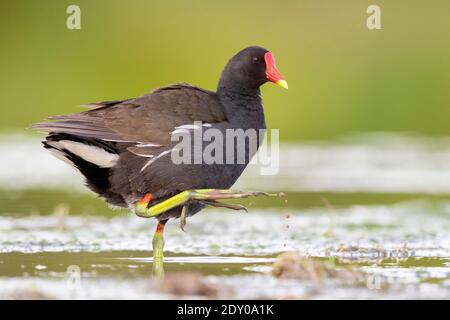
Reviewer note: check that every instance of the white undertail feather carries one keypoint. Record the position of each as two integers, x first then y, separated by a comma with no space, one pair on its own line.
59,155
90,153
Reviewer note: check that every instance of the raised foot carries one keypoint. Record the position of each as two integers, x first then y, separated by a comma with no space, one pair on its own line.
207,196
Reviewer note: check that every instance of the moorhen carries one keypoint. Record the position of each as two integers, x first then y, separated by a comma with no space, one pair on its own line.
123,147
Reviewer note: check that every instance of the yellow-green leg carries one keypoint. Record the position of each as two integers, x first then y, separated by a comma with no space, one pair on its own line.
182,198
206,196
158,250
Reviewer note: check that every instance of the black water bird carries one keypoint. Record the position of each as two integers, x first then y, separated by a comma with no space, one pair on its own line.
123,147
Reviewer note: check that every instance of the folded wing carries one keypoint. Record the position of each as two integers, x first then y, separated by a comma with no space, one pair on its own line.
148,120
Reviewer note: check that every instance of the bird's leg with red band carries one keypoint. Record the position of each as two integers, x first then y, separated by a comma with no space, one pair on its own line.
158,250
142,204
205,196
158,237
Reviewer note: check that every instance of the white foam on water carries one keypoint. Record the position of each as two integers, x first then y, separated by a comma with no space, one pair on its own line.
250,286
370,234
58,288
410,229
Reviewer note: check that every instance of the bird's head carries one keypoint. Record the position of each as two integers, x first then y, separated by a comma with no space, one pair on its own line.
251,68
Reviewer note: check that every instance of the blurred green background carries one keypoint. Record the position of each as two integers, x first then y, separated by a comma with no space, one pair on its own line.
343,78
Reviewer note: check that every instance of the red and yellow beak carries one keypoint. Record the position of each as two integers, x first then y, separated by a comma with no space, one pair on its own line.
272,72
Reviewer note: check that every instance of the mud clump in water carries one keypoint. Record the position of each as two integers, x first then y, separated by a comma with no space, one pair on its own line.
293,265
187,284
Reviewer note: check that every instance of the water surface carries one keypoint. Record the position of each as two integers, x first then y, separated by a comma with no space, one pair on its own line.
381,209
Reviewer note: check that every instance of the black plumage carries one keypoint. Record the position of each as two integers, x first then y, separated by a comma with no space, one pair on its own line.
121,146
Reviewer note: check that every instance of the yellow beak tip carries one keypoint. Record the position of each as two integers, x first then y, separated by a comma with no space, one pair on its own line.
283,84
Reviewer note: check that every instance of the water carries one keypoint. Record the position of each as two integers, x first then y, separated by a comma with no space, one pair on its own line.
375,205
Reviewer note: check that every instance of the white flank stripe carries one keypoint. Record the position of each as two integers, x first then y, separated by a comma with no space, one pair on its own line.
156,158
148,145
92,154
188,127
180,131
144,155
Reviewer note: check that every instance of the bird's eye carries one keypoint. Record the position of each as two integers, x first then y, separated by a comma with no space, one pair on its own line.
255,59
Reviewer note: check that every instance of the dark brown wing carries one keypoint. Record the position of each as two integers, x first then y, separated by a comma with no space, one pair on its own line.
146,120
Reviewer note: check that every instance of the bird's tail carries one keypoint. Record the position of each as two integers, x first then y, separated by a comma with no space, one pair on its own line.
93,158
